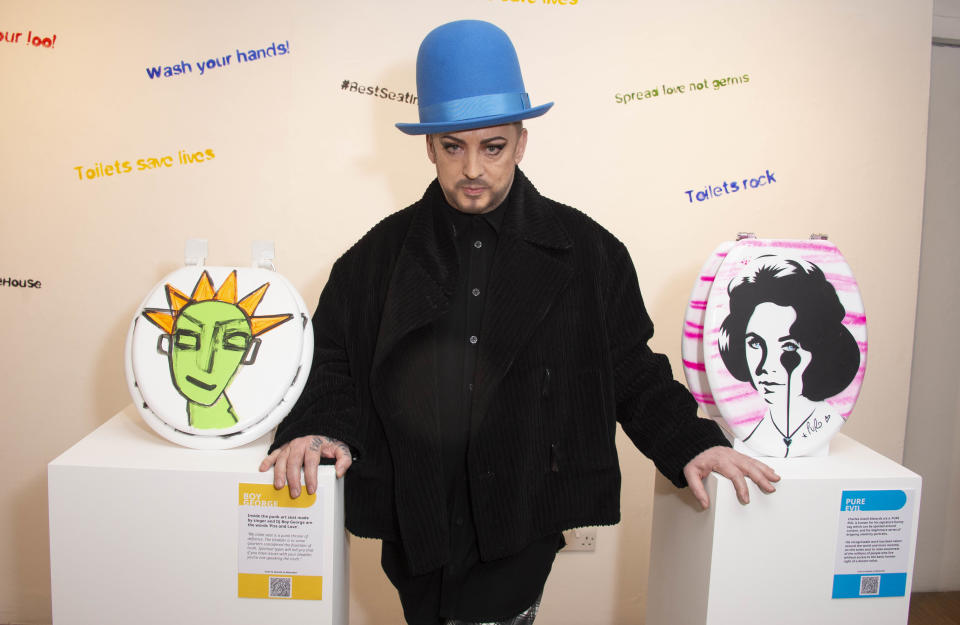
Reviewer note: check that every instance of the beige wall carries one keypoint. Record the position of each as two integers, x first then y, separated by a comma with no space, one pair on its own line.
836,106
933,426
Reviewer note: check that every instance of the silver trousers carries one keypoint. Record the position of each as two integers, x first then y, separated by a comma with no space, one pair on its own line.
524,618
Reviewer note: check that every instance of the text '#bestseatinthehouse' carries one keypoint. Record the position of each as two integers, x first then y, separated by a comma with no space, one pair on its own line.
204,66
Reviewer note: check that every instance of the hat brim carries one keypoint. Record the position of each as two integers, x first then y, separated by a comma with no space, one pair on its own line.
476,122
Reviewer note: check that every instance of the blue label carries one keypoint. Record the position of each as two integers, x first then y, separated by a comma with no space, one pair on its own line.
872,500
866,586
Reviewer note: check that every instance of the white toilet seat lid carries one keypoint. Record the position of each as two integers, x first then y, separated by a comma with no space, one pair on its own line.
241,332
795,296
691,336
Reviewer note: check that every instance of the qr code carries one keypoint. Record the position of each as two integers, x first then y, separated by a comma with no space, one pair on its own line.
281,587
870,585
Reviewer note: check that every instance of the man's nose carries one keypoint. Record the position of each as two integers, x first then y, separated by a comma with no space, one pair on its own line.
206,352
472,166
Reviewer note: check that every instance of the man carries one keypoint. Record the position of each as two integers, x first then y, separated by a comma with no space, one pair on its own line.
474,354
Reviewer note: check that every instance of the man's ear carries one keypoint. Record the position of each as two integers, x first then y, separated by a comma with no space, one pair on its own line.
163,344
250,356
521,146
431,150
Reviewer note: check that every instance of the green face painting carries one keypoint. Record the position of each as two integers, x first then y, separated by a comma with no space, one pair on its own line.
209,341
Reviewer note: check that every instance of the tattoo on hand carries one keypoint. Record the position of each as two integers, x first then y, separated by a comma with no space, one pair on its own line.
319,441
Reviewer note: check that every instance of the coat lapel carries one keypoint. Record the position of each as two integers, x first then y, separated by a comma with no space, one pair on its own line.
530,269
403,379
422,279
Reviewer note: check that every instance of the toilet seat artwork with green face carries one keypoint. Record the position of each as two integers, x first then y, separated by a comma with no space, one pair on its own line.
216,356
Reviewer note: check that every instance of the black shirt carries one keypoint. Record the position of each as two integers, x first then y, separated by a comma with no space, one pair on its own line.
466,587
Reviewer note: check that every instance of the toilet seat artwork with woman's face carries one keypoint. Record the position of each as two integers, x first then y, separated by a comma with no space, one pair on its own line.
777,347
691,342
216,356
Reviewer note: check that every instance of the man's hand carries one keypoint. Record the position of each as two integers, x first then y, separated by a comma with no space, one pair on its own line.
305,452
734,466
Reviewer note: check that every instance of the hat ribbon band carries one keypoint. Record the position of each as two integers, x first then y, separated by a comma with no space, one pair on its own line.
473,107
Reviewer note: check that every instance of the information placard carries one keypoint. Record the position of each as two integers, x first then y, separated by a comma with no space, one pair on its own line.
279,551
873,543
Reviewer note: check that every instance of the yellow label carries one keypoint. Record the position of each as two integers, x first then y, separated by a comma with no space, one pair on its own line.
282,587
269,497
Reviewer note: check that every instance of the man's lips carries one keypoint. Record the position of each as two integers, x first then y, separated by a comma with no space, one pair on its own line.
196,382
473,190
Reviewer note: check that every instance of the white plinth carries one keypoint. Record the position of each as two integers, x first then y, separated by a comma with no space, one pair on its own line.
144,531
773,560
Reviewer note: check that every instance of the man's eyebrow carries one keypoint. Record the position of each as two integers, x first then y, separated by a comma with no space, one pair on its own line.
461,141
228,322
193,319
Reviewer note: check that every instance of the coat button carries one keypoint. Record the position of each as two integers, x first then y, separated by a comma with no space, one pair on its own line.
473,340
478,244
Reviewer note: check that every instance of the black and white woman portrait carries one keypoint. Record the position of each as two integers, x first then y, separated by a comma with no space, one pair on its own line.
785,336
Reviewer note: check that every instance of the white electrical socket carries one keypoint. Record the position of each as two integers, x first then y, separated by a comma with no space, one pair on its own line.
581,539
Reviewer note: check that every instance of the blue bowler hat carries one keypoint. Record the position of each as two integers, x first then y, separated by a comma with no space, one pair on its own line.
468,76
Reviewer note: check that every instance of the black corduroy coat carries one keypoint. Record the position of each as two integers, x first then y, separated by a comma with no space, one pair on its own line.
563,357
